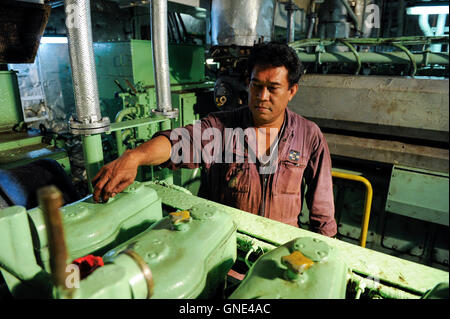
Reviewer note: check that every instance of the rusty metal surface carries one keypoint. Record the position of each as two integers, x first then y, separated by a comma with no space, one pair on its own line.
22,25
398,106
398,153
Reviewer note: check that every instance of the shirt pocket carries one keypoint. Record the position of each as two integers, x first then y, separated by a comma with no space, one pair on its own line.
237,178
289,179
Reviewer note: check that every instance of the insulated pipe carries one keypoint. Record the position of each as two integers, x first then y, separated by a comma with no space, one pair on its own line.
79,33
158,12
88,122
440,27
291,25
312,20
290,9
426,29
425,25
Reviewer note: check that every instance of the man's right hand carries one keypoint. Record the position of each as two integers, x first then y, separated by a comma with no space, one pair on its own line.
115,177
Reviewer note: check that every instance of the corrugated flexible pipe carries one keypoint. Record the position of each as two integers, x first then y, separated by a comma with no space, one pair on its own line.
89,122
84,76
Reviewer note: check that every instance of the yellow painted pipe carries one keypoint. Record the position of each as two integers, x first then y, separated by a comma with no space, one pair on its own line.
367,204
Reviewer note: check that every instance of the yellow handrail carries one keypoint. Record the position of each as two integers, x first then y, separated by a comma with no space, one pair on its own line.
367,204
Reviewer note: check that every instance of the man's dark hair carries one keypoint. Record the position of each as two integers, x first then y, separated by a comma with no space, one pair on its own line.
276,54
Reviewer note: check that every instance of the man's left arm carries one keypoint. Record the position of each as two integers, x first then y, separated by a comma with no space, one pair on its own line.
319,194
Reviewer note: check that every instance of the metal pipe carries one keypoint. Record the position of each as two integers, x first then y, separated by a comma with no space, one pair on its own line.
88,119
352,15
120,137
290,9
400,17
384,291
50,200
126,111
119,134
425,25
291,26
440,27
375,57
410,56
359,291
79,33
367,203
312,20
353,50
158,11
93,156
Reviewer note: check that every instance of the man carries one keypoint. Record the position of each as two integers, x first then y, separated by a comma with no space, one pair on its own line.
278,150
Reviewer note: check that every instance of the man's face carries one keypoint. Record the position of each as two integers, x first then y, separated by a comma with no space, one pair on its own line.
269,94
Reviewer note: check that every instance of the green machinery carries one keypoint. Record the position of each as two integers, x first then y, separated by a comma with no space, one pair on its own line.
170,244
389,131
127,67
18,145
129,237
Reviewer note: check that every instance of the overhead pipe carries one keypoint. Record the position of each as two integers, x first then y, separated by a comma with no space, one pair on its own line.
79,33
312,19
290,9
427,30
158,12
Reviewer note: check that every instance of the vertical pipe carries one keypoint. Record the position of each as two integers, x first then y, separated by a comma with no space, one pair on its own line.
400,17
312,20
440,27
88,122
79,34
352,16
50,200
93,156
166,125
425,25
158,9
290,9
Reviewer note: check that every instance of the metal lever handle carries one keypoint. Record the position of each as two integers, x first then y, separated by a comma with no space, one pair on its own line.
50,200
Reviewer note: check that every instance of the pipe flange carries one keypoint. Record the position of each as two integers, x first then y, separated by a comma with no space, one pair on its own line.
79,128
172,114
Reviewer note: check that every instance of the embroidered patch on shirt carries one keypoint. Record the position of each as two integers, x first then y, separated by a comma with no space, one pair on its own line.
294,155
